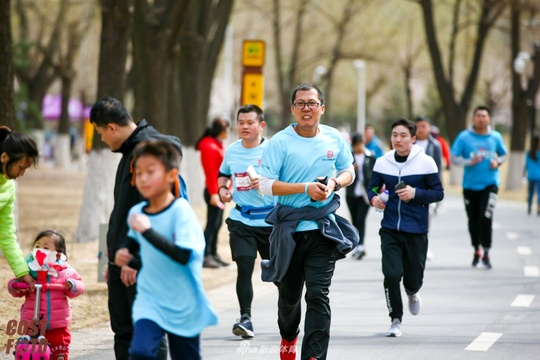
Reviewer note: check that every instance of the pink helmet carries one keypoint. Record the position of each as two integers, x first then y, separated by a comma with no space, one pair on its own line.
32,349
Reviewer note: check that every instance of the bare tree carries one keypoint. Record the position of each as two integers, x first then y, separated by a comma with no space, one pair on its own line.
73,33
115,34
455,109
523,99
287,70
34,66
155,36
201,40
295,21
340,49
7,107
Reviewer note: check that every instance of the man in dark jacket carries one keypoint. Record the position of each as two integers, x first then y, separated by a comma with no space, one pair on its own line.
118,130
412,180
357,192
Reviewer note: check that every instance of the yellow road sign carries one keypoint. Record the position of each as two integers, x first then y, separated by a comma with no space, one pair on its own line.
253,89
253,53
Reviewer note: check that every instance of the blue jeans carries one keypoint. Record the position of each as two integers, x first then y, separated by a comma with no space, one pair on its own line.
147,336
534,186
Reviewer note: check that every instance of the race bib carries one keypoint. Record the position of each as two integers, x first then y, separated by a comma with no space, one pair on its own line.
242,181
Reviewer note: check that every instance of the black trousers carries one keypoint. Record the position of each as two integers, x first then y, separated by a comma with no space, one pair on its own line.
359,210
479,206
214,218
120,302
403,257
313,263
245,242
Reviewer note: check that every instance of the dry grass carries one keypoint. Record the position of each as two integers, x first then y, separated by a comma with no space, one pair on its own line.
51,199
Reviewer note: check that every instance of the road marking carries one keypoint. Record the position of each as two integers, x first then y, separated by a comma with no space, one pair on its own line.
531,271
523,300
524,250
483,342
512,236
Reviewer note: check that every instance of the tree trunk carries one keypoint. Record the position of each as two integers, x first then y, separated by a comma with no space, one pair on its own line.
38,77
456,111
62,153
115,36
201,40
523,102
97,199
520,120
155,53
287,76
7,105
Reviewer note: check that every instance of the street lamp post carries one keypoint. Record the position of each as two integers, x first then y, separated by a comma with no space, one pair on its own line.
361,105
532,73
318,73
520,67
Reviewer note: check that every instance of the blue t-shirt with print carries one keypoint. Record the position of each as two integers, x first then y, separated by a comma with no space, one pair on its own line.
235,163
292,158
169,293
490,146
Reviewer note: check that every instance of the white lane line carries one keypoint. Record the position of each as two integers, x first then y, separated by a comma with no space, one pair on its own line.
483,342
532,271
524,250
523,300
512,236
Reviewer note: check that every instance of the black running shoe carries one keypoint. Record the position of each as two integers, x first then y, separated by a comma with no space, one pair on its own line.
476,258
485,262
243,327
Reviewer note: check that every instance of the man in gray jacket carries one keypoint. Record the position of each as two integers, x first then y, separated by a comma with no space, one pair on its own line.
431,146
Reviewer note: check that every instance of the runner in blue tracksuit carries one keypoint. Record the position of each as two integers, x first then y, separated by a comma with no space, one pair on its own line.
405,221
480,150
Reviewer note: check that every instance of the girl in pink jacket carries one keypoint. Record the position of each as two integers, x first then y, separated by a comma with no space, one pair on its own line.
48,264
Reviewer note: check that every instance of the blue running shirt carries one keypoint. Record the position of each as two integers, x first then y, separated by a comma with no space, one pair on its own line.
169,293
467,145
235,163
292,158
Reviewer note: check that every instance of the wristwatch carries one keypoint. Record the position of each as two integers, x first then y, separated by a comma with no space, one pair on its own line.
338,184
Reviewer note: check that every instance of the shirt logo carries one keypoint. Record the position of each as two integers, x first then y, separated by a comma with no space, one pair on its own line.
259,162
330,154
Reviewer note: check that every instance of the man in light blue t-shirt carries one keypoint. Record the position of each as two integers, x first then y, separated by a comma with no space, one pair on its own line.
239,181
304,164
480,150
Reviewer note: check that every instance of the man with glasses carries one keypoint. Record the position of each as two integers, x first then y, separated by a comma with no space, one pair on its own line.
304,165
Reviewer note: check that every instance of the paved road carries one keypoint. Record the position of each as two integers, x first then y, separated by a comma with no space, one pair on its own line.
467,313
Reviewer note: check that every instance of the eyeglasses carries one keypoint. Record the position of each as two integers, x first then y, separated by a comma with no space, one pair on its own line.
310,104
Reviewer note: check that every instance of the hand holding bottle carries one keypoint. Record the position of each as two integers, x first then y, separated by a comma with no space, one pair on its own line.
379,202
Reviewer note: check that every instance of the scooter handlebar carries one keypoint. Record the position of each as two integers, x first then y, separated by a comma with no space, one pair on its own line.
19,285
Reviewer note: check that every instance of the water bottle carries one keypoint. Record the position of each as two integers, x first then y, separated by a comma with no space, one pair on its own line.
384,198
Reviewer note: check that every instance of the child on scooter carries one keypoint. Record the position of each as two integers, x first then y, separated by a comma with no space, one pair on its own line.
48,265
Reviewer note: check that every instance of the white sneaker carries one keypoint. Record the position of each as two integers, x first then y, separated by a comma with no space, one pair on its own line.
358,252
395,329
414,303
